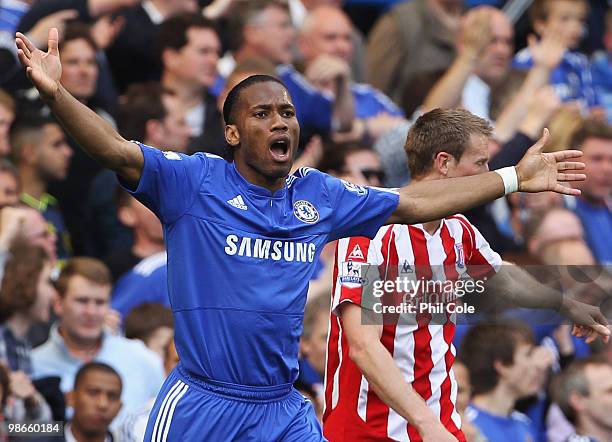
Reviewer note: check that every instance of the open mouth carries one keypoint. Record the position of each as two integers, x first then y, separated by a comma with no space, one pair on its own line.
280,149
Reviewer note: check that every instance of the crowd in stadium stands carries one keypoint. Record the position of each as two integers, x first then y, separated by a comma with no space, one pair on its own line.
85,322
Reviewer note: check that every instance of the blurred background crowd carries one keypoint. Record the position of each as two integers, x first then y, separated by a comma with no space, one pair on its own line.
85,326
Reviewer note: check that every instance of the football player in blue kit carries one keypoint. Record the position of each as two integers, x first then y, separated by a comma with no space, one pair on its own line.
243,238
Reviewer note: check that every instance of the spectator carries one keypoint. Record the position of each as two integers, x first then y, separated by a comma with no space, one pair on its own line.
313,344
11,75
88,11
189,48
84,287
555,236
485,47
504,367
145,283
96,19
594,207
153,325
300,10
37,231
134,426
572,78
42,156
325,40
133,50
422,31
264,31
9,184
146,231
7,115
151,114
26,224
243,70
602,70
563,125
390,149
4,395
96,401
354,163
584,393
25,298
464,394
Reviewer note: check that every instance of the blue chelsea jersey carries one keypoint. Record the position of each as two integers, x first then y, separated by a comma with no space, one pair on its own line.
240,258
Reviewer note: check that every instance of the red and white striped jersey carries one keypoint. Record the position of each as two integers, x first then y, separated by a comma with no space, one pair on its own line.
421,348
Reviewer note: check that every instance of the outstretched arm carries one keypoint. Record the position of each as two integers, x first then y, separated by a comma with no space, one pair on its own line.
519,289
98,138
536,172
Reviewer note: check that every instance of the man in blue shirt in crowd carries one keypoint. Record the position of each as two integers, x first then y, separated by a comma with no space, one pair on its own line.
242,240
594,206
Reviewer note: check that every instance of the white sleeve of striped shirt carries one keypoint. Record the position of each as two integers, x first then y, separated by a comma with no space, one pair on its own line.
352,256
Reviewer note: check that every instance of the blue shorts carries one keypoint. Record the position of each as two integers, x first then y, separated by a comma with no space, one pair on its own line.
189,409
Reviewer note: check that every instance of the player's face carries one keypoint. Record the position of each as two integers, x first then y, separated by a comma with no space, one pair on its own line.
267,133
6,119
82,310
196,62
598,404
597,155
79,69
9,194
475,159
45,295
566,17
331,35
54,154
96,402
274,35
495,63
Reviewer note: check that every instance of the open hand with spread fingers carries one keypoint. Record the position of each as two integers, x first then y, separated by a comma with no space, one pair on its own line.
42,68
538,171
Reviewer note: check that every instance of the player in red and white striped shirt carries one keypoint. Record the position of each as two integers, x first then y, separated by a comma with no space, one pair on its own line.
394,381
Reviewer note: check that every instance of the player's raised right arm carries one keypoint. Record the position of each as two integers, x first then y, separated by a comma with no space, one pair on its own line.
96,136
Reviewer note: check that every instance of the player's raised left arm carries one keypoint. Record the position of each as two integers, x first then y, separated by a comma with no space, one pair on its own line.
536,172
98,138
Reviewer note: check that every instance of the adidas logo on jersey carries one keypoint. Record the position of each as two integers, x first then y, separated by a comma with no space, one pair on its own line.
356,253
238,202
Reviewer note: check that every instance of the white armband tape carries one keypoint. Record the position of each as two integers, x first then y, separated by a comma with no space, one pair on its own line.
510,178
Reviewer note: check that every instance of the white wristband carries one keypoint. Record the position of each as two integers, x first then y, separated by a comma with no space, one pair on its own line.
510,178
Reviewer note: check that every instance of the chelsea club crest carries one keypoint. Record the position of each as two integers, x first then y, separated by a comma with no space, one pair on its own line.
305,212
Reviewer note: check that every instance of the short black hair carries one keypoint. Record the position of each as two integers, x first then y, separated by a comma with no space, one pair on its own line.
141,103
172,33
234,95
95,366
25,130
